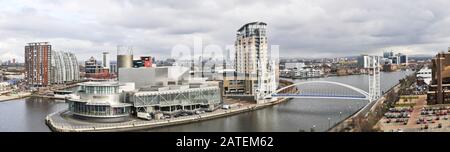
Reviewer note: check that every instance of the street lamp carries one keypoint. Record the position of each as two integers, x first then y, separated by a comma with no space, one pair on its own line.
313,128
329,122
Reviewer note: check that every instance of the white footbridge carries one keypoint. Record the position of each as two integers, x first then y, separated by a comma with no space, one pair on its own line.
337,90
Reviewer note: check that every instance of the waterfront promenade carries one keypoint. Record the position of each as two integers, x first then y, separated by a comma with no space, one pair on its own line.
363,112
14,96
62,122
280,118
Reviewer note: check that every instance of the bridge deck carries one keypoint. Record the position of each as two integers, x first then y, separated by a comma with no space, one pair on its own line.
318,96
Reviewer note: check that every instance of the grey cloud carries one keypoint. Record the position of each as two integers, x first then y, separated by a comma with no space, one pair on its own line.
328,28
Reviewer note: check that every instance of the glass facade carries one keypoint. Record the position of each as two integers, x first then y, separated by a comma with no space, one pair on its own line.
100,89
81,108
99,99
199,96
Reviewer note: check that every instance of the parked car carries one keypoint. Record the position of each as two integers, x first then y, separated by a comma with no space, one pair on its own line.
423,113
226,107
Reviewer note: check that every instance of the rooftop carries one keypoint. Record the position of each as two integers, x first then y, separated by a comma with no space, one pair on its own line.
39,43
100,83
424,70
252,23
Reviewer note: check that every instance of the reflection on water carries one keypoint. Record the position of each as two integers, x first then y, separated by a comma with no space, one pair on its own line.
297,114
27,114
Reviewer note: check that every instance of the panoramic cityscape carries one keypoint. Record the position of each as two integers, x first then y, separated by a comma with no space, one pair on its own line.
254,75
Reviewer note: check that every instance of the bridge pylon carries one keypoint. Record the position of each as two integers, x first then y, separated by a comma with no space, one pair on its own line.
374,77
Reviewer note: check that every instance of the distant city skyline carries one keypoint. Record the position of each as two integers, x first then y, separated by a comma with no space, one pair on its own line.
327,28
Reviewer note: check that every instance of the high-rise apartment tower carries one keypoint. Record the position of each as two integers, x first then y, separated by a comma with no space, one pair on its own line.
37,64
252,59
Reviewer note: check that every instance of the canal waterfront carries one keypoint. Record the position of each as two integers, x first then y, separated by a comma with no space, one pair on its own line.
298,114
27,115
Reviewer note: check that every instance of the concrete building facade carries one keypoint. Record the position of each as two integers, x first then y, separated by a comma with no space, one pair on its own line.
38,64
106,61
392,58
44,67
439,90
144,76
363,61
169,90
252,60
251,48
91,66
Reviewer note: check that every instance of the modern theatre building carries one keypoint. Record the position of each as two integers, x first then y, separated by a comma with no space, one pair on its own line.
145,91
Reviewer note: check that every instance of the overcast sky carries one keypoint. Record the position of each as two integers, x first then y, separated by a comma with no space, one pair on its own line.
303,28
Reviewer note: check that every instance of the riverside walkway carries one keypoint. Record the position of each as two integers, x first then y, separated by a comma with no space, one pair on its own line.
62,121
